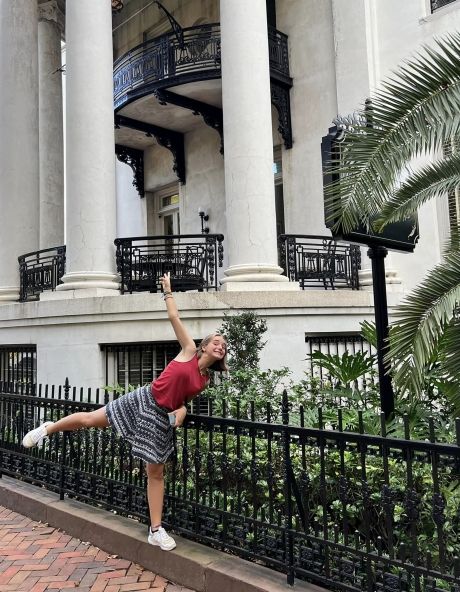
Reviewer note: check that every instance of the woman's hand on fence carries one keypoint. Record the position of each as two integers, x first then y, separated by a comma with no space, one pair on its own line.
180,414
166,282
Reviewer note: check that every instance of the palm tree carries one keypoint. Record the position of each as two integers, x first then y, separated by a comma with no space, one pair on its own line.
416,112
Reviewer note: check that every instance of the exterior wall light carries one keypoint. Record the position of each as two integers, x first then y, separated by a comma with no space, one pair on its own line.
204,217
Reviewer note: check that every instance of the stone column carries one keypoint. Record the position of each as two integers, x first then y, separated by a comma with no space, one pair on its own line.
90,148
19,197
50,30
250,239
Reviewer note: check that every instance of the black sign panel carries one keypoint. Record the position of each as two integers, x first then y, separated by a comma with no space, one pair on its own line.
397,236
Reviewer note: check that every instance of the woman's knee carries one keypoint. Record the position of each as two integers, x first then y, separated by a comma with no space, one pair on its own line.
155,471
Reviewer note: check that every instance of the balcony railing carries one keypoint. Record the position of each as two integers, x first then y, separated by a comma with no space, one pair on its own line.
437,4
165,62
40,271
191,259
319,261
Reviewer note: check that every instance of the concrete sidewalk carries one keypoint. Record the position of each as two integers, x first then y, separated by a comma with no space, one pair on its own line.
191,565
35,557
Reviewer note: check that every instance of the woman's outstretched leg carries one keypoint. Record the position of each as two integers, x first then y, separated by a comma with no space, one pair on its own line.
155,493
75,421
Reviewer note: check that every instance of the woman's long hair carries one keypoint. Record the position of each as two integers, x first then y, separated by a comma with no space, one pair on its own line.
219,365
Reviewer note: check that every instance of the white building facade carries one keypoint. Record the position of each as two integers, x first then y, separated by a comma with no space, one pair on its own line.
183,117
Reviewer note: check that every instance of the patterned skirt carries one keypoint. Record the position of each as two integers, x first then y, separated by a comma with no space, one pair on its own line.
138,419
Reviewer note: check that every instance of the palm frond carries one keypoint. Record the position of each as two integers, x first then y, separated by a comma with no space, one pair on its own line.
421,321
433,180
415,112
448,351
369,332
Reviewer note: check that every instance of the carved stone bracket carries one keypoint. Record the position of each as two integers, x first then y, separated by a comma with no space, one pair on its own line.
281,100
173,141
212,116
135,159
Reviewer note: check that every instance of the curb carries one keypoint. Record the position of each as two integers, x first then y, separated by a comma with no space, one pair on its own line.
192,565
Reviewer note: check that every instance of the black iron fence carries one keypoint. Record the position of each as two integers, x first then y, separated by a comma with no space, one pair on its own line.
191,259
40,271
437,4
346,510
169,60
320,261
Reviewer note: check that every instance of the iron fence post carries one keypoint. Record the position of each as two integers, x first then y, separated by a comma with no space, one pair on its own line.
64,444
288,490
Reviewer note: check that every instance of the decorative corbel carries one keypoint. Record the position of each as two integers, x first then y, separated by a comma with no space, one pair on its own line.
281,100
135,159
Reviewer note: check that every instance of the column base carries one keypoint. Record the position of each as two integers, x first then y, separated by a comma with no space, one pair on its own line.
392,280
89,280
259,286
254,272
9,294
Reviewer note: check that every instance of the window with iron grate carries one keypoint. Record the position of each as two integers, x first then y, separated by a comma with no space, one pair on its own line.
335,344
133,364
18,364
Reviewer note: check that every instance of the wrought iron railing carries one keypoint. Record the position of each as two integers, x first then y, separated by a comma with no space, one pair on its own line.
166,61
319,261
437,4
278,53
40,271
347,510
191,259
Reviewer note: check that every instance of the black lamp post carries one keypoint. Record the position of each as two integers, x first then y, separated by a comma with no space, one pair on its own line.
398,236
377,254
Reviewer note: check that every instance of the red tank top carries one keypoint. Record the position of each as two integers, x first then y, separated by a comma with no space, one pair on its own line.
178,382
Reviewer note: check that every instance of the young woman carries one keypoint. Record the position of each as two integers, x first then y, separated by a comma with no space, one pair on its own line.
145,416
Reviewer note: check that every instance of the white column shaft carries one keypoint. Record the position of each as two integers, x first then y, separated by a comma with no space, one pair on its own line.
249,188
19,197
90,156
51,128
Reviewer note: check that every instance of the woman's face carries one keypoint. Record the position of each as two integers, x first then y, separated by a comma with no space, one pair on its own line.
216,348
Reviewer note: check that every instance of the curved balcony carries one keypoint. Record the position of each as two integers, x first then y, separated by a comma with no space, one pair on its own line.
191,259
168,61
40,271
319,261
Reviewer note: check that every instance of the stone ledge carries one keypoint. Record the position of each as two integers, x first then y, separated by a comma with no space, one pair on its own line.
192,565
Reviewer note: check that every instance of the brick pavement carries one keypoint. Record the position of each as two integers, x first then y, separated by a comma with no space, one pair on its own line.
35,557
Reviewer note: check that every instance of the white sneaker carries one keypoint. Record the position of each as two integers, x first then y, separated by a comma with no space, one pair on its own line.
35,437
161,538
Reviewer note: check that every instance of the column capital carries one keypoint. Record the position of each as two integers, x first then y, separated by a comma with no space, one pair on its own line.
52,10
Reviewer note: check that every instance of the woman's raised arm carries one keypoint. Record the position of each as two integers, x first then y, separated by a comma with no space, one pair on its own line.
183,336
